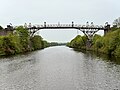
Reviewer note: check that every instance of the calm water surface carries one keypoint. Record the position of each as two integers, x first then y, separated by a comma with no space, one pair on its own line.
58,68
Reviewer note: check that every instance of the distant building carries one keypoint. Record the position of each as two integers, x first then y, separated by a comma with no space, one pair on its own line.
6,31
116,23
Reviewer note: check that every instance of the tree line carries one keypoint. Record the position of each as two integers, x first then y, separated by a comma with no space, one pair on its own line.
108,44
20,42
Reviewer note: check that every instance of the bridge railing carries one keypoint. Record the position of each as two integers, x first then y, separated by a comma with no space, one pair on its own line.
66,25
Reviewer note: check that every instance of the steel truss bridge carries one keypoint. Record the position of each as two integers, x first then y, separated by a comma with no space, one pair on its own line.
89,29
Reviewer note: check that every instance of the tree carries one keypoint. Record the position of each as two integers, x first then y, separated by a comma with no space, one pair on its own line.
77,42
1,27
37,42
24,37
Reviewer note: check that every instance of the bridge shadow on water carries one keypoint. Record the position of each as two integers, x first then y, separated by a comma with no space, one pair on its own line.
105,57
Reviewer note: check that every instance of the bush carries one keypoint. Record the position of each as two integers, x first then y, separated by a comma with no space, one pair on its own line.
78,42
37,42
117,51
109,44
98,43
24,38
20,42
1,28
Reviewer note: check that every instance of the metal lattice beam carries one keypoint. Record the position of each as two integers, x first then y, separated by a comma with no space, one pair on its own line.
89,29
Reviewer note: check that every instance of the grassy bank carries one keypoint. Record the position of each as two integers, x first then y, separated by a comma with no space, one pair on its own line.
108,44
20,42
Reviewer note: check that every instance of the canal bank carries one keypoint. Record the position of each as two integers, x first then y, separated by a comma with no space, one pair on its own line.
108,44
20,42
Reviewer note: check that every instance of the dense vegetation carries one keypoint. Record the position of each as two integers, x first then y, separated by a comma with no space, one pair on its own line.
1,27
109,44
20,42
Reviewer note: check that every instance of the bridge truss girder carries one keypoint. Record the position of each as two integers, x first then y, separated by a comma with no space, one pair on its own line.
87,32
89,29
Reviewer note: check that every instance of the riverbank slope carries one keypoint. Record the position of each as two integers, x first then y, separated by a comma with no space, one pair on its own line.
20,42
108,44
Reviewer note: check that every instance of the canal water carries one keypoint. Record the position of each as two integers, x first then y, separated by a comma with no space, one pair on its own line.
58,68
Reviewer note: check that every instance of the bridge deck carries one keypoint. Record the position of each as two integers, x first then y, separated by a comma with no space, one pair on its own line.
88,30
62,27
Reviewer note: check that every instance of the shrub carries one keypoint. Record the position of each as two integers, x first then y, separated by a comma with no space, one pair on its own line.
37,42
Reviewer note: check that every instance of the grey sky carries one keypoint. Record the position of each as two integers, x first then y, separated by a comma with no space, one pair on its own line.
18,12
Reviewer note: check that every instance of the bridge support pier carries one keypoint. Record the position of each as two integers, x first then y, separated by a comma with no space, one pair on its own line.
88,44
107,29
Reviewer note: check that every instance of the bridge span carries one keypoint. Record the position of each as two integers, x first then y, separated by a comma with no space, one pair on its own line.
89,29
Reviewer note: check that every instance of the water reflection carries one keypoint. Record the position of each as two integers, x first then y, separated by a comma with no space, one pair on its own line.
101,71
20,65
105,57
59,68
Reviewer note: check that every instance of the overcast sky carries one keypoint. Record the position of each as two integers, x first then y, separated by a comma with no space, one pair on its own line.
19,12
